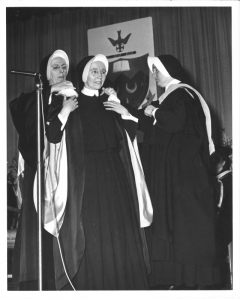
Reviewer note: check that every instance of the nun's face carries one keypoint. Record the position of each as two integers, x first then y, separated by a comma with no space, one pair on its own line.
96,76
58,70
161,79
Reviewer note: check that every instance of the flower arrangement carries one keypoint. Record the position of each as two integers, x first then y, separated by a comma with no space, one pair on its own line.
13,199
13,180
12,177
226,141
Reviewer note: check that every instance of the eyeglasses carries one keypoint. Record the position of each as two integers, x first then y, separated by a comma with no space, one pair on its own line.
96,72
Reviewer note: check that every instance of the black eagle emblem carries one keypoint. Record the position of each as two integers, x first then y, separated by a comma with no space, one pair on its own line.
119,42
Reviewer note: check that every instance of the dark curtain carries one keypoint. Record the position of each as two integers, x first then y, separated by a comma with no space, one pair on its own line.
200,37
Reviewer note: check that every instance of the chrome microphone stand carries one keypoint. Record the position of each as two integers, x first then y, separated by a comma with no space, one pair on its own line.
39,87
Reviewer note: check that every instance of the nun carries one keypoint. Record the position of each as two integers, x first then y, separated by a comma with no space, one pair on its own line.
53,69
103,245
175,155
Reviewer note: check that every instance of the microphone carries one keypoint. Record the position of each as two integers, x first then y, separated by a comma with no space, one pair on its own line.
25,73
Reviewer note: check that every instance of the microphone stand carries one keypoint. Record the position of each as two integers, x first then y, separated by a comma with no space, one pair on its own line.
39,86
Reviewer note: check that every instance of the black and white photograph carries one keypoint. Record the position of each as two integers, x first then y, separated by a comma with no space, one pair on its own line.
121,164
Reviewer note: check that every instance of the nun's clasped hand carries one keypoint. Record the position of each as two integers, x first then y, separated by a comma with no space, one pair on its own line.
117,107
69,105
108,91
149,110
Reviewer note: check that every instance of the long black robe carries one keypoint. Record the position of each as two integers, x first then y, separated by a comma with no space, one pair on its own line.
102,243
25,257
175,157
224,222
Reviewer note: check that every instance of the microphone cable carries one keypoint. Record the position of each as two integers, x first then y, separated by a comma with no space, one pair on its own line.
53,212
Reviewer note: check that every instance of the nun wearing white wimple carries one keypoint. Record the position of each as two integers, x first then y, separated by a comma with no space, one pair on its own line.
53,69
175,154
54,155
103,244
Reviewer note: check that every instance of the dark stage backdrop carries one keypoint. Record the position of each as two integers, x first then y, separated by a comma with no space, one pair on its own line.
200,37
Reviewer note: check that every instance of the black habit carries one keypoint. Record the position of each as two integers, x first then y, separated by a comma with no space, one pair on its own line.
175,157
25,257
101,239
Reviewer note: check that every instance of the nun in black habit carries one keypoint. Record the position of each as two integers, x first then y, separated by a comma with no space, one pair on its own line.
102,243
175,156
53,69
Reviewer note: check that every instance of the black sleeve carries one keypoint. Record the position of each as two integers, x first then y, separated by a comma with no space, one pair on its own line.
137,113
172,118
143,120
53,127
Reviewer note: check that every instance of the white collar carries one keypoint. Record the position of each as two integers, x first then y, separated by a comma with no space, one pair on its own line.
174,81
89,92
